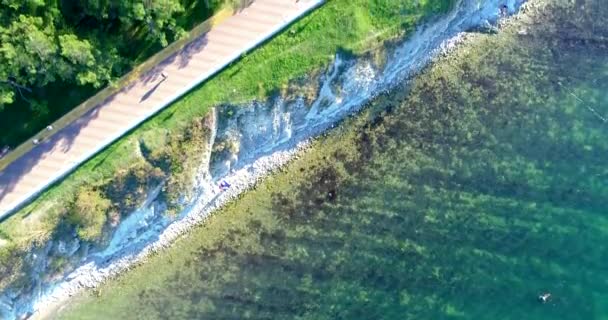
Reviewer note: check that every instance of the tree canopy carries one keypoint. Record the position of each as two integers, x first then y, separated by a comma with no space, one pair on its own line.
157,17
33,53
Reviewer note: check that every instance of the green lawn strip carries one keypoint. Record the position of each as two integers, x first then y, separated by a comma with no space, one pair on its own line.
308,45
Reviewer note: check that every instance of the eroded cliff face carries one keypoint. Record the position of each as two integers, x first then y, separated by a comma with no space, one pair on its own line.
176,183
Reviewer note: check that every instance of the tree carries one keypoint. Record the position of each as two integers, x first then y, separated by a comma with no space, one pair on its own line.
159,18
27,51
33,54
156,17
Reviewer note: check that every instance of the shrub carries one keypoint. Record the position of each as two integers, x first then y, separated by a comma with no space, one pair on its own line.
11,265
89,213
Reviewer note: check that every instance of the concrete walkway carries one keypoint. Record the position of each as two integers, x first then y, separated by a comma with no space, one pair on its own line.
48,162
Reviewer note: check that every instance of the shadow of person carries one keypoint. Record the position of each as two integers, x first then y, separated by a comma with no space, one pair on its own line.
151,91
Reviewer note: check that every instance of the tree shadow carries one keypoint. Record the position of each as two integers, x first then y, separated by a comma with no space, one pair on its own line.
191,49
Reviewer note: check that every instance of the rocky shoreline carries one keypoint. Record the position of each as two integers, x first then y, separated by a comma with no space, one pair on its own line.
264,137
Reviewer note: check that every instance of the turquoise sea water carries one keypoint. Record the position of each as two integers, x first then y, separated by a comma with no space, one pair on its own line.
483,186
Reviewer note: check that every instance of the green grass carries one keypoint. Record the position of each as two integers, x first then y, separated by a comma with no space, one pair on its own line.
305,47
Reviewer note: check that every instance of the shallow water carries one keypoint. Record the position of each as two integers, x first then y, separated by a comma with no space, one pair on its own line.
482,188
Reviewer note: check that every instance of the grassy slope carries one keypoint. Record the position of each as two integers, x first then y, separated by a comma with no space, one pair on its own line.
308,45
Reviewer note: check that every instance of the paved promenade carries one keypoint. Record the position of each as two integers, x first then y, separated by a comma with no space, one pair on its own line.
54,158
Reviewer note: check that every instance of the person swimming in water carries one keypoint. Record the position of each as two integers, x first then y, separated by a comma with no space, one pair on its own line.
544,298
